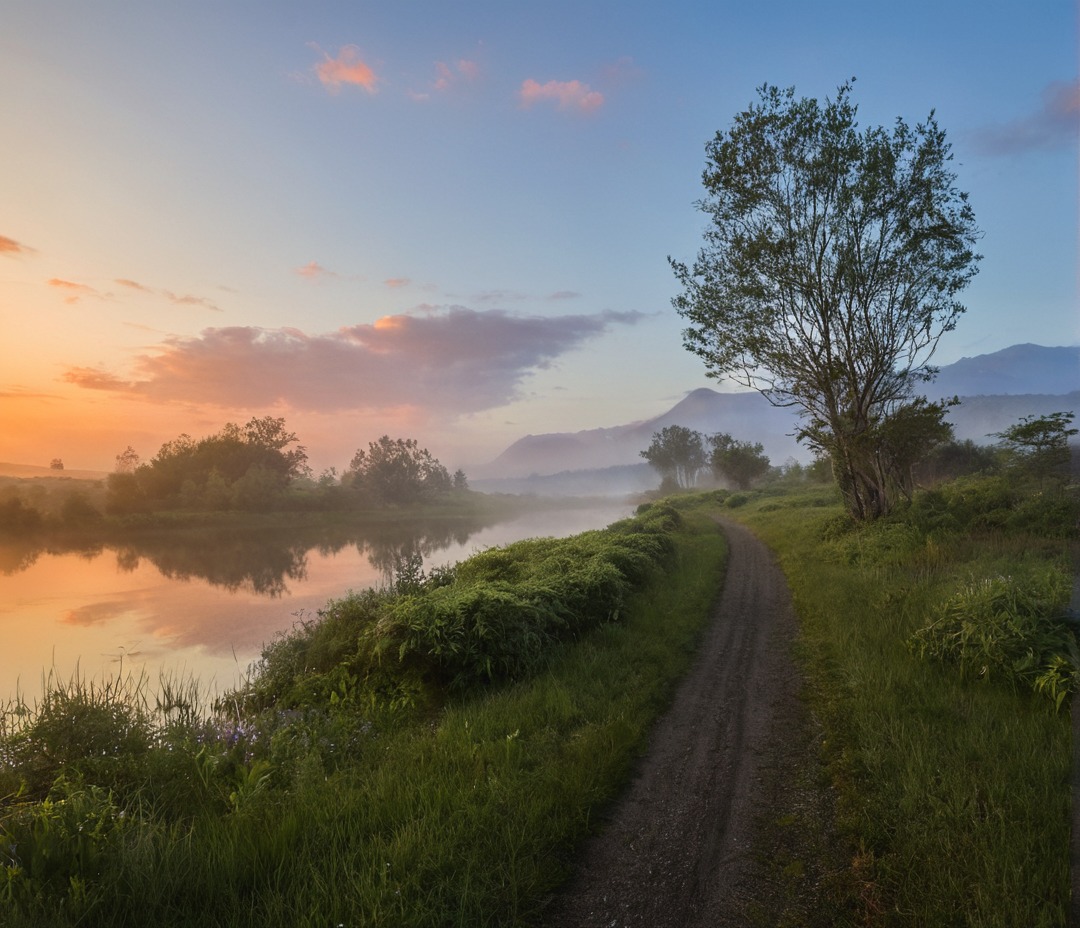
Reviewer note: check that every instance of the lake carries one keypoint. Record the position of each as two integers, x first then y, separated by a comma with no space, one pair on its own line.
203,603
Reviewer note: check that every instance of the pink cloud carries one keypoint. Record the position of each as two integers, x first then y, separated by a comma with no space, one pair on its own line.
73,290
346,68
448,361
8,246
566,95
395,283
1054,124
313,270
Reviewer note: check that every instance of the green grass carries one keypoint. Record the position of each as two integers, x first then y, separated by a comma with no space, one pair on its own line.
953,784
463,811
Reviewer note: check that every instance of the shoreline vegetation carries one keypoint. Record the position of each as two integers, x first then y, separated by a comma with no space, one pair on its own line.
434,753
427,752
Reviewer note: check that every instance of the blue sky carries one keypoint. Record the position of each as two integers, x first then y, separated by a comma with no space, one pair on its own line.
451,221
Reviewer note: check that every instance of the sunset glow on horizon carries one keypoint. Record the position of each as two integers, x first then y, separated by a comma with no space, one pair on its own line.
450,223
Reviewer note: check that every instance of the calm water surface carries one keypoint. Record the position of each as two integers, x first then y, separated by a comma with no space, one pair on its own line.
204,606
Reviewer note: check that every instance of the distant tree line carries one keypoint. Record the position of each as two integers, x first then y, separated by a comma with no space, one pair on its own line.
920,451
262,466
680,454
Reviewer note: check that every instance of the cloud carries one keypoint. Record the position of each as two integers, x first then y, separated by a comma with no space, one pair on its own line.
448,75
187,299
449,361
132,285
395,283
1055,124
8,246
74,291
498,296
314,271
178,299
564,295
346,68
566,95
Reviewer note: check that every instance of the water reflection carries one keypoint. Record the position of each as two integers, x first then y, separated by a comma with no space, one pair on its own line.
260,562
204,602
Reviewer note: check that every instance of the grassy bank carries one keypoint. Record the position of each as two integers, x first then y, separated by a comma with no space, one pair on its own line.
937,664
410,759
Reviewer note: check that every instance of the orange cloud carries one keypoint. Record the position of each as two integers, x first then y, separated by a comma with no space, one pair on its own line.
8,246
74,290
347,68
1054,124
566,95
450,361
132,285
395,283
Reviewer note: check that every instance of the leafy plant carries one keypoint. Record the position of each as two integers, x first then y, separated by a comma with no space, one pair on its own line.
1007,628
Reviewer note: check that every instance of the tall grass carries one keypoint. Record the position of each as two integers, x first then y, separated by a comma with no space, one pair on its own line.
338,808
953,785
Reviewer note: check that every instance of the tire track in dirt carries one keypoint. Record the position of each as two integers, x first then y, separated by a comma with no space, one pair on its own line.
679,848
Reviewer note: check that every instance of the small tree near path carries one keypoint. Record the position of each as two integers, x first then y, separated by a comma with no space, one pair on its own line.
741,462
830,269
678,454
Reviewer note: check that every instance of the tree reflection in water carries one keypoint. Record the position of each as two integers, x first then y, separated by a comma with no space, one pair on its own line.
259,561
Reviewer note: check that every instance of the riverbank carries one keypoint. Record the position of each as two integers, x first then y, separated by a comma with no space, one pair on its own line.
340,794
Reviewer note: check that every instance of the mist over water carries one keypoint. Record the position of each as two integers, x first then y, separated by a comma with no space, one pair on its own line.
203,604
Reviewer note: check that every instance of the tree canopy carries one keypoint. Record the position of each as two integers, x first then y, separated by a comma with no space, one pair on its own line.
830,268
236,468
678,454
741,462
398,471
1039,445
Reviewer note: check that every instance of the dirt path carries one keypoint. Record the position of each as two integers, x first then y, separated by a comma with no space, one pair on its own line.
727,821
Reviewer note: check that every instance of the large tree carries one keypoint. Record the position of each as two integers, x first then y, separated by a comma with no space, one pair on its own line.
830,268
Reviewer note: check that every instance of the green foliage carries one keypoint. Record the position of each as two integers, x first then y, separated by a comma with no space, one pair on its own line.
338,808
238,468
19,518
399,472
955,796
1038,446
741,462
1007,628
678,454
830,269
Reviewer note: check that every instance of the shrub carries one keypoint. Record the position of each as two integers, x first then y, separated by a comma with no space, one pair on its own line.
1007,628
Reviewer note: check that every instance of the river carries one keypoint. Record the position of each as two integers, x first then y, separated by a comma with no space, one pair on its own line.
201,606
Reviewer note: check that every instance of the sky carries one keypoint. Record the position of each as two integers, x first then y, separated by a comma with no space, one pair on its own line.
451,222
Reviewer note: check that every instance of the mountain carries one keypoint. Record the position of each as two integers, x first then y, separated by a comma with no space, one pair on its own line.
997,390
740,414
1020,369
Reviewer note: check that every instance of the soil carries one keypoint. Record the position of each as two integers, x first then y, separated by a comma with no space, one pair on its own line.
729,819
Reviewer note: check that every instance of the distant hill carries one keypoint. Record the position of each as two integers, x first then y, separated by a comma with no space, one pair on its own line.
997,390
34,470
1020,369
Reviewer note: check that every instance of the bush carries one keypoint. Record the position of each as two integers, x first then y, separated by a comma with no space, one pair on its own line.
1010,629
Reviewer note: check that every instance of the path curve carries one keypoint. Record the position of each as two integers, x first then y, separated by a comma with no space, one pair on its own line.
681,848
